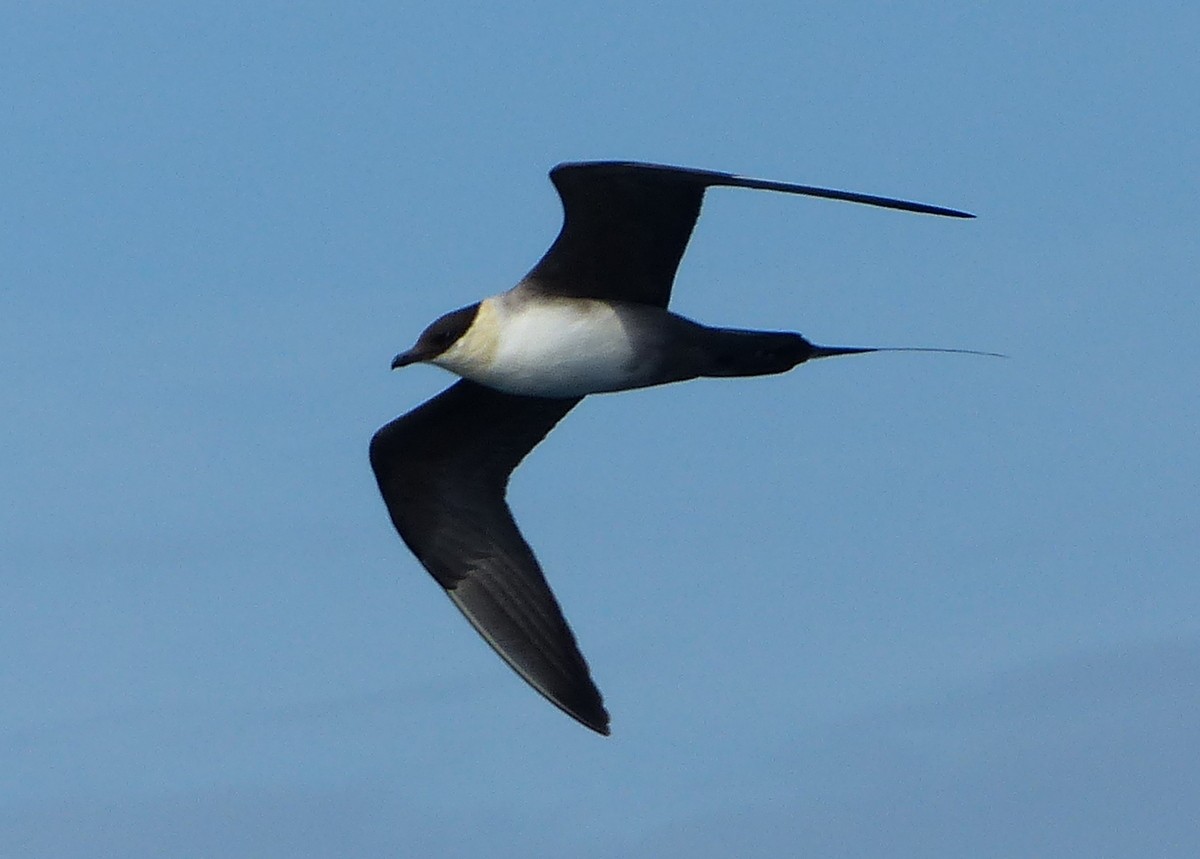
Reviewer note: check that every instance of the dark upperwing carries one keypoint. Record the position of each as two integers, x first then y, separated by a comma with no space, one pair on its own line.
626,226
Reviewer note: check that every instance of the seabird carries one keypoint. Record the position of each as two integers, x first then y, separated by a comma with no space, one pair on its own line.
590,317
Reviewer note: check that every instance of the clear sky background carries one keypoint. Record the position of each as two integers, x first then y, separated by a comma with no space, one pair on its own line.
901,605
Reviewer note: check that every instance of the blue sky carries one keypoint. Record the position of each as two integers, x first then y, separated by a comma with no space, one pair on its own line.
902,605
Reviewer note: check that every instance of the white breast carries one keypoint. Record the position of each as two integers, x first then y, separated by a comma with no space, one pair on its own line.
554,348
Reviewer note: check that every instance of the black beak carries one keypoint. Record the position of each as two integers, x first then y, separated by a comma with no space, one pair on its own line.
405,358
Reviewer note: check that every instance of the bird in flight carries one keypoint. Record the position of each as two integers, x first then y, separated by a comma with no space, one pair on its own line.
590,317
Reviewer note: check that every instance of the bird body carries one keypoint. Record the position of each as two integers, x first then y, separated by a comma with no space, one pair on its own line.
591,317
555,347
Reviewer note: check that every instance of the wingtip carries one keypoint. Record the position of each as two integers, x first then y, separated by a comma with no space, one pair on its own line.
592,714
600,726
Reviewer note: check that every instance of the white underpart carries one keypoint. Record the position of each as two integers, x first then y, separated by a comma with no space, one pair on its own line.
555,348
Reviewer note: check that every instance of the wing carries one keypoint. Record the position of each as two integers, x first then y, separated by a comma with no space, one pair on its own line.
626,226
443,469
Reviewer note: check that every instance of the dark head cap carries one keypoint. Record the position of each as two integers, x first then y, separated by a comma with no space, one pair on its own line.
438,337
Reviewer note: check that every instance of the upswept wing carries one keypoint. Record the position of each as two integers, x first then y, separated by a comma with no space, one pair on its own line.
443,470
626,226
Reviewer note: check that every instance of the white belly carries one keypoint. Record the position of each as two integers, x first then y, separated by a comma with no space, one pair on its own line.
560,348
